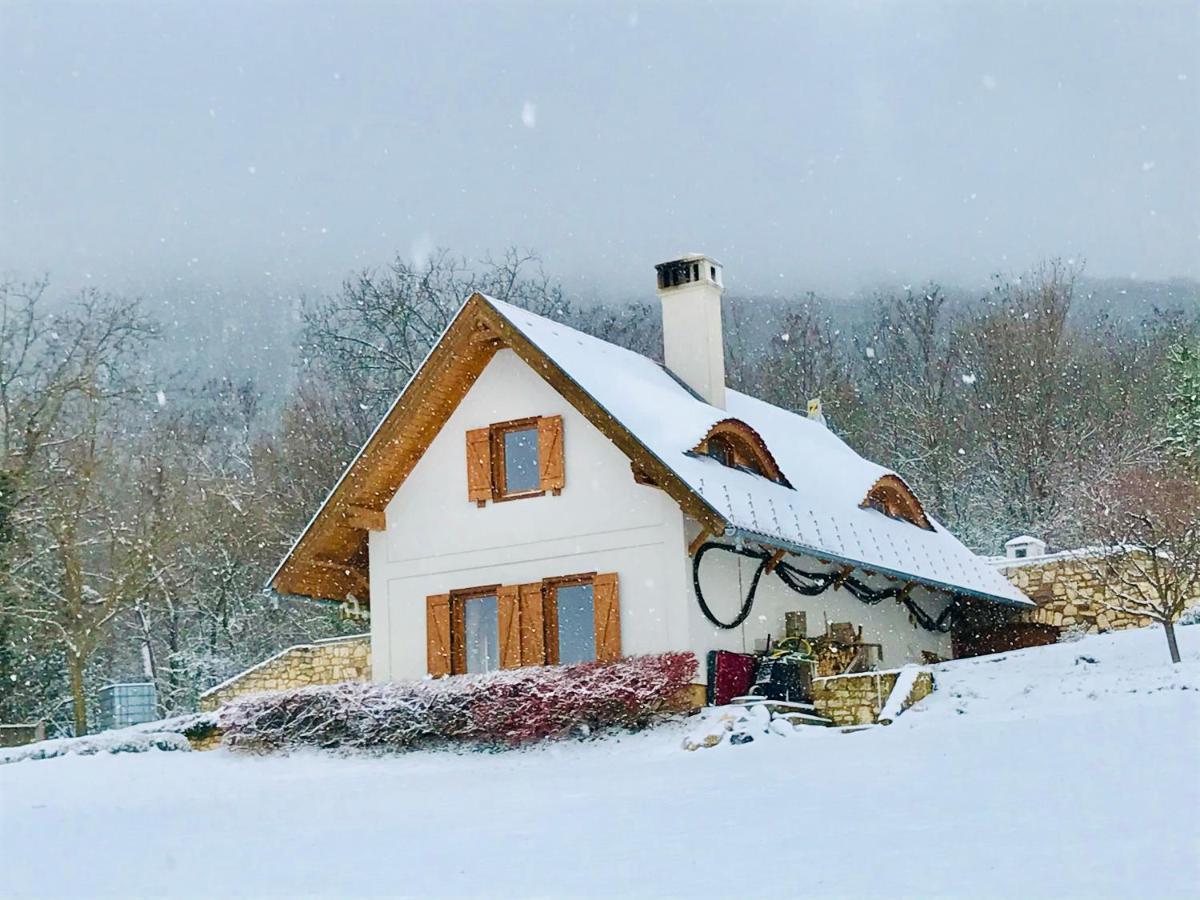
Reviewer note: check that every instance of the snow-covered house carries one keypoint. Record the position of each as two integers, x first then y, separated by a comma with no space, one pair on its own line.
538,496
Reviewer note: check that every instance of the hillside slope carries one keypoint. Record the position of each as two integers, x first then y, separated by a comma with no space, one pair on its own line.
1067,771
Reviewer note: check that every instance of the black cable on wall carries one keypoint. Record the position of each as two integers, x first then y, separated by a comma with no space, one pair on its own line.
810,584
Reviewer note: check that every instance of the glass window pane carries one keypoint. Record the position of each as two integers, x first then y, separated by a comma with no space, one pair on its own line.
481,630
521,461
576,624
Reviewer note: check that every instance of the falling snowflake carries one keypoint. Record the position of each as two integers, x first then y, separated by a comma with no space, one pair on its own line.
529,114
968,378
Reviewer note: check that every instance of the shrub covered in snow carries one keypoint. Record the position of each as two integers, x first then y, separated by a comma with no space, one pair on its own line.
122,741
163,734
496,709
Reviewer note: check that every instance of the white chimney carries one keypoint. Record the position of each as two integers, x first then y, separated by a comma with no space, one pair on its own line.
690,289
1024,547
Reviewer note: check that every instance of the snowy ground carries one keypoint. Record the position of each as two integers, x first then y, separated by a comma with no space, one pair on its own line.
1034,774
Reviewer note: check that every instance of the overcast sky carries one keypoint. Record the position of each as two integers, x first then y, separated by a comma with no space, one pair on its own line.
817,145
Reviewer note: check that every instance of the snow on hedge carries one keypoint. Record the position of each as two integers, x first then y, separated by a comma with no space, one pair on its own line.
164,734
500,708
123,740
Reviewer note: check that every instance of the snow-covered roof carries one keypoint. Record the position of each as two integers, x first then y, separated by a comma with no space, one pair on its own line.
1024,539
819,514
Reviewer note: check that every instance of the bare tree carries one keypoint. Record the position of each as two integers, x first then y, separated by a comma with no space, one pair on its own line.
61,373
1152,567
807,357
364,343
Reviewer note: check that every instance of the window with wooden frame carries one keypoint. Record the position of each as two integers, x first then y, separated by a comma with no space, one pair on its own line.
734,444
570,619
515,459
892,497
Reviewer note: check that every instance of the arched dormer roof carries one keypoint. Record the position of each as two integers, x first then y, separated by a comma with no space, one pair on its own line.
892,497
733,443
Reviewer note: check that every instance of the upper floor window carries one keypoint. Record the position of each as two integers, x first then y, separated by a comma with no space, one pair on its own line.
892,497
515,458
733,443
519,458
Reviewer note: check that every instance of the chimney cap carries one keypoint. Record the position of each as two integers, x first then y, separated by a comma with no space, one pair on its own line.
690,268
688,257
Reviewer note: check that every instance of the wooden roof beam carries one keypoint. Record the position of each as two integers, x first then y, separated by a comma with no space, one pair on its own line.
366,519
356,576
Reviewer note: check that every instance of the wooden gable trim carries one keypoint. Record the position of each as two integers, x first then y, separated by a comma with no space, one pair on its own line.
423,407
388,456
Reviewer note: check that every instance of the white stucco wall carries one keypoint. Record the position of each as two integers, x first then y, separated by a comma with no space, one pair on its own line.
437,540
726,577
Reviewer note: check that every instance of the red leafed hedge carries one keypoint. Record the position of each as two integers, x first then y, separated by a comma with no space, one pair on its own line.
497,709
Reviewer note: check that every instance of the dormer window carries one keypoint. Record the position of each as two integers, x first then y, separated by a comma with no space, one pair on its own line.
734,444
892,497
722,450
515,459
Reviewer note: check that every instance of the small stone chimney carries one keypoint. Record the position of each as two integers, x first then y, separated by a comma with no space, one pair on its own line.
690,289
1024,547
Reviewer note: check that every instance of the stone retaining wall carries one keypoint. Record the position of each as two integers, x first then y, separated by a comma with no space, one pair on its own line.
1070,593
325,662
858,699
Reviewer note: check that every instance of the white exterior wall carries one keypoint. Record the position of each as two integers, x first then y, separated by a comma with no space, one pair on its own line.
725,579
437,540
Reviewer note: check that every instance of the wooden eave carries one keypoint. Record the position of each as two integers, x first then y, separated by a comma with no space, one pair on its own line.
329,560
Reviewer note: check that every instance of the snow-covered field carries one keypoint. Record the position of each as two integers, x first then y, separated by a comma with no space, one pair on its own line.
1069,771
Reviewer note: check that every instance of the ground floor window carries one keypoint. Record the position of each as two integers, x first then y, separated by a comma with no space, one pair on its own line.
560,620
478,633
569,606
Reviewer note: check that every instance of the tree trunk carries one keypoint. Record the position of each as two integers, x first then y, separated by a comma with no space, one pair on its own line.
78,697
1169,628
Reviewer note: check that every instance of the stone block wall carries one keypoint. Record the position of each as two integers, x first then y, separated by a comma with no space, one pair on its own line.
1070,593
858,699
324,662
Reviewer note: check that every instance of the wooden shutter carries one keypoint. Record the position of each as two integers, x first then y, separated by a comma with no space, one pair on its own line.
533,634
550,453
507,608
608,617
479,465
437,634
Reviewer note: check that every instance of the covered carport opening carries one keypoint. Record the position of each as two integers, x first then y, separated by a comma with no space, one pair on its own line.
981,628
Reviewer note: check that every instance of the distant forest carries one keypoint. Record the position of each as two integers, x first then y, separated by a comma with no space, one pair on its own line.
161,454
